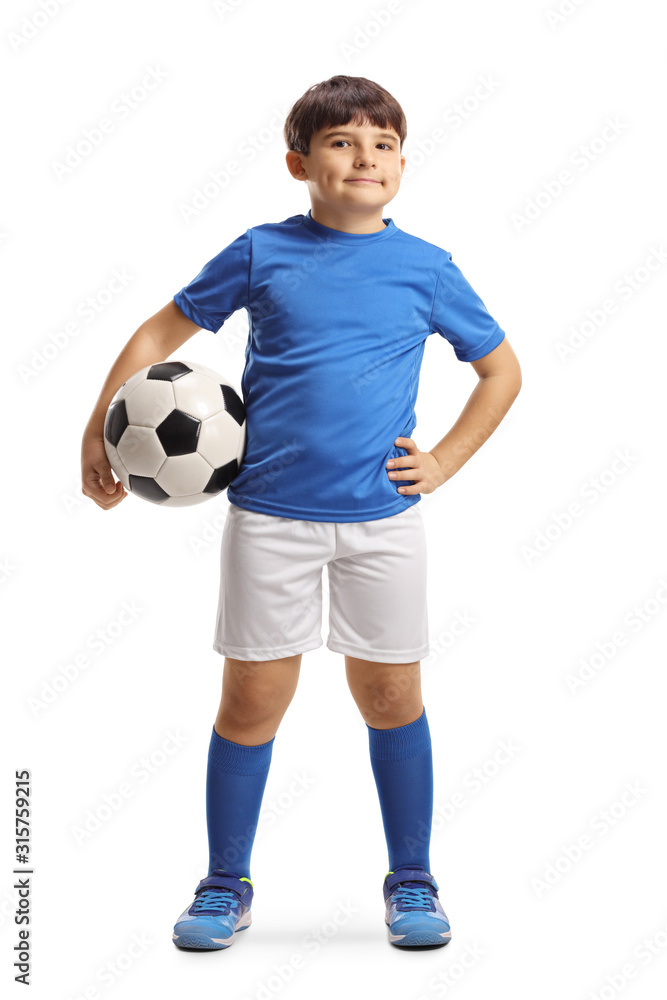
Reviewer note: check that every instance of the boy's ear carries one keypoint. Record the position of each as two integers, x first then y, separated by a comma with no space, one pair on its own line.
295,165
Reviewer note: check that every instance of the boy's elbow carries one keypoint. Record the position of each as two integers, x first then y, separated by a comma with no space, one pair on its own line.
510,368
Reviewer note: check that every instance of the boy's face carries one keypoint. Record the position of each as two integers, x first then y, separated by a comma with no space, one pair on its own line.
350,170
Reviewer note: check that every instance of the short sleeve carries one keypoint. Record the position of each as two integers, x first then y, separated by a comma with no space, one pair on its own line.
220,288
460,316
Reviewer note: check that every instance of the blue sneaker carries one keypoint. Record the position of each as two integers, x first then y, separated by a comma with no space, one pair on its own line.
221,907
413,911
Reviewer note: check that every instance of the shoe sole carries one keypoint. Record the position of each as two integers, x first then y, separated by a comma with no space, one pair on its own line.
194,939
420,937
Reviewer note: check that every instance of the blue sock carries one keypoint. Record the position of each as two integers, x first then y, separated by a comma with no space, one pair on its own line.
235,782
402,765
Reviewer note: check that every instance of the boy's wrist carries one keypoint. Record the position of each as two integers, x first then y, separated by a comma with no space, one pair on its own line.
447,466
95,426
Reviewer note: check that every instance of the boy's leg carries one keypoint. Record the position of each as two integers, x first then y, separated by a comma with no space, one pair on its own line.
387,694
255,696
269,614
389,698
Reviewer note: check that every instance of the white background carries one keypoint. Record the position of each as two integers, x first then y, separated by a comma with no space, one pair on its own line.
543,590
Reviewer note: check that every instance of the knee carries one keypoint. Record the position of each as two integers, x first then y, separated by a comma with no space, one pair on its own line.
248,720
391,706
250,706
256,693
390,699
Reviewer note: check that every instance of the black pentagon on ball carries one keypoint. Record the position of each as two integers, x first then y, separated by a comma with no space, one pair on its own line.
222,477
178,433
147,488
233,404
116,422
168,371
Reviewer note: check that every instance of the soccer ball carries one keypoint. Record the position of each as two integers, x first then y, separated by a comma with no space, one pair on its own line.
175,433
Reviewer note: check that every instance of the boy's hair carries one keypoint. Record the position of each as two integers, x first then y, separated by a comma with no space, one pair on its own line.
342,100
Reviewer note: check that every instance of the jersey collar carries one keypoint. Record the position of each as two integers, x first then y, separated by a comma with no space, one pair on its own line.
339,236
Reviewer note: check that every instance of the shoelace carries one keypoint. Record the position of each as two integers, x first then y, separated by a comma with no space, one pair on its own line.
413,895
215,899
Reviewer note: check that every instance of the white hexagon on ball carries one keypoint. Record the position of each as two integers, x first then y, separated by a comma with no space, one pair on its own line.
140,451
197,395
184,475
150,402
215,435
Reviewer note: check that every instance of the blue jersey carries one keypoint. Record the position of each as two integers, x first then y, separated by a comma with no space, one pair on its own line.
338,323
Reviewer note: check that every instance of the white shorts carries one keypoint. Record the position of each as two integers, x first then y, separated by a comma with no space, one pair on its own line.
270,602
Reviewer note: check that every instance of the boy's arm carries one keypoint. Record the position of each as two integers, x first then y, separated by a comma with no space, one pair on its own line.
498,386
155,340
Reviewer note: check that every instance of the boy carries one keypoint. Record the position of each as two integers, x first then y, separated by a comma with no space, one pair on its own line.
340,303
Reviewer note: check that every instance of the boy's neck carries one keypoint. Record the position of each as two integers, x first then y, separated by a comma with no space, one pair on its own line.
348,222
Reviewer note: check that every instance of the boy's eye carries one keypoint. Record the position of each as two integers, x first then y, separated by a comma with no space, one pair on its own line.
345,140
